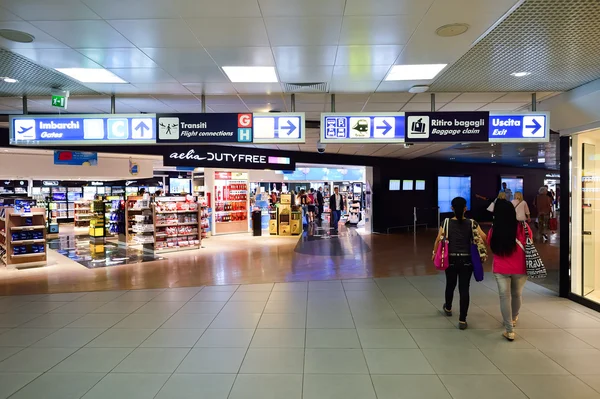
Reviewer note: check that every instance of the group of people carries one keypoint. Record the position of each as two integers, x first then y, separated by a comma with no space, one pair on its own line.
506,239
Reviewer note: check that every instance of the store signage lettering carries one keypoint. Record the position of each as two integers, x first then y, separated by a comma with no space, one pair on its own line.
50,183
97,183
245,159
447,126
280,127
204,128
46,130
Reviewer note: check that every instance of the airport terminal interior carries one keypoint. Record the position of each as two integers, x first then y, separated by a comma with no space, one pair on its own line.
243,199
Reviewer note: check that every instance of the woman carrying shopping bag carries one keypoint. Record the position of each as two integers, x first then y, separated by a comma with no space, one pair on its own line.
507,239
456,237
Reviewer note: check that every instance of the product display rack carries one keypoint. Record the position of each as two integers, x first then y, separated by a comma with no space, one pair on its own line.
83,213
139,222
231,204
114,215
23,237
177,224
204,218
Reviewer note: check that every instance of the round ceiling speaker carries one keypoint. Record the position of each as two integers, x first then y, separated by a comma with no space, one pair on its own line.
16,36
451,30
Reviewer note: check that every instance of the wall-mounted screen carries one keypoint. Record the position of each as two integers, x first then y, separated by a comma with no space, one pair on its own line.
450,187
420,185
177,186
407,185
394,185
514,183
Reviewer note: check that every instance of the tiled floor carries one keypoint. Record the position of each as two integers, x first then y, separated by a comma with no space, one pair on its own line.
353,339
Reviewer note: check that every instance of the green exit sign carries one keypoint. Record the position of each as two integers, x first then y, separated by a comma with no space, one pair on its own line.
59,101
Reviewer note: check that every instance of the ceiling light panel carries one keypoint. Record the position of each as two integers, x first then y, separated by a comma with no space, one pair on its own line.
240,74
91,75
415,72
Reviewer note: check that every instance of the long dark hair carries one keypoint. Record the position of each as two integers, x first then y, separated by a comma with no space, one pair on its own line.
504,229
458,206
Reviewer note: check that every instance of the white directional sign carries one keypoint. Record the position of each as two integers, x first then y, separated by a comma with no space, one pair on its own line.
279,127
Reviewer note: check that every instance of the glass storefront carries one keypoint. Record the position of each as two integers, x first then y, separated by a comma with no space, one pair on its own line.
585,215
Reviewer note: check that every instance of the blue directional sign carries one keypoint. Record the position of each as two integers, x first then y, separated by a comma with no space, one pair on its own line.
280,127
101,129
519,128
376,127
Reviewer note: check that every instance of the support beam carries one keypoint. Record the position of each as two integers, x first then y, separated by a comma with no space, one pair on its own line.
432,102
333,103
293,106
113,104
533,101
203,101
25,112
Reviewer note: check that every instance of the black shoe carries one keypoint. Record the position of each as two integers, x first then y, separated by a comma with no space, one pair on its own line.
462,325
447,312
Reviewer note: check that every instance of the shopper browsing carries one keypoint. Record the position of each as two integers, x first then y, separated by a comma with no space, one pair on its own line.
521,208
507,240
320,202
311,205
460,233
336,206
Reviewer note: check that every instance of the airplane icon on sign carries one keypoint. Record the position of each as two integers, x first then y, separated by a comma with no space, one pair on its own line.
25,129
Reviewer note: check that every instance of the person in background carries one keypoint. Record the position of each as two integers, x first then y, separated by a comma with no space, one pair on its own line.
543,203
303,198
158,193
141,192
273,198
507,241
501,196
336,206
507,191
521,208
320,202
311,207
460,233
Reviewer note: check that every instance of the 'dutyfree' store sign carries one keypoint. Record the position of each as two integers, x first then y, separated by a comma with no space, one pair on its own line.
236,157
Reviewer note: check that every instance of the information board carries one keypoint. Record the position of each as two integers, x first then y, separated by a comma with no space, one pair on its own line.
376,127
531,127
204,128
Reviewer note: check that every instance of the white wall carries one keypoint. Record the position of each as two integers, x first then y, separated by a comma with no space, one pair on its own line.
41,167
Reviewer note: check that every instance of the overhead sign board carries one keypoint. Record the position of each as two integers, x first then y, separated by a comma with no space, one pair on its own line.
231,157
204,128
376,127
275,128
82,129
443,127
533,127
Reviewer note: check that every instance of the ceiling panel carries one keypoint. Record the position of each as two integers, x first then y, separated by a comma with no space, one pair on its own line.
43,10
416,8
360,72
224,100
309,31
383,107
290,56
118,57
197,74
212,8
304,8
441,97
82,34
395,29
262,99
308,107
174,57
156,32
417,107
454,106
133,9
211,88
42,39
367,55
230,32
242,56
57,58
143,75
391,97
257,88
496,106
353,86
223,108
108,88
6,15
182,99
162,88
477,97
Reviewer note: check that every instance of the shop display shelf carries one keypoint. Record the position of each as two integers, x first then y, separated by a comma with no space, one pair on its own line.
27,227
174,249
32,255
27,215
41,240
177,224
138,209
2,220
82,209
243,210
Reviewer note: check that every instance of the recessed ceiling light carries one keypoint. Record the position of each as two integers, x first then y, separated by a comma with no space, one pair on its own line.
451,30
251,74
418,89
16,36
520,74
6,79
91,75
415,72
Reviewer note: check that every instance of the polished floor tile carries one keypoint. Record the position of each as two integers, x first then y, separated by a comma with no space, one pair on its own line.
410,387
577,361
35,360
59,386
386,338
24,337
121,338
481,386
128,386
553,387
273,361
267,386
152,360
332,338
278,338
524,361
335,361
173,338
226,338
459,361
319,386
69,338
212,361
197,386
397,361
92,360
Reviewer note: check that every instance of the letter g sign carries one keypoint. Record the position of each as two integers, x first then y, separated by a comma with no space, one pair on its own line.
244,120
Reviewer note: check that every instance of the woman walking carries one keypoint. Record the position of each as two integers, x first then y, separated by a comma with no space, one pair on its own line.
543,204
507,241
521,208
460,237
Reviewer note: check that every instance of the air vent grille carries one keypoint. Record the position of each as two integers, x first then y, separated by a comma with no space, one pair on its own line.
320,87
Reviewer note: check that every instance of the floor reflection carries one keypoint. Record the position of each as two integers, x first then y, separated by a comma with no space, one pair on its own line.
79,249
321,240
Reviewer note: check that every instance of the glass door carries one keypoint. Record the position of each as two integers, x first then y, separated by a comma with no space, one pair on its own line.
589,186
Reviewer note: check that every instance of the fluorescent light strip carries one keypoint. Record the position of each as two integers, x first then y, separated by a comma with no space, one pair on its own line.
415,72
239,74
91,75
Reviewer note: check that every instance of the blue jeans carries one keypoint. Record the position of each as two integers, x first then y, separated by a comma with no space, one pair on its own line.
510,289
335,219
